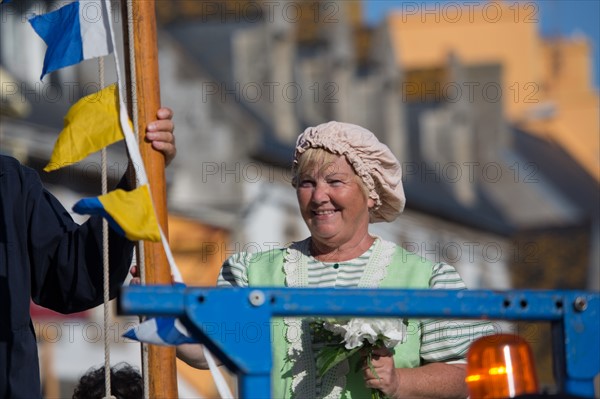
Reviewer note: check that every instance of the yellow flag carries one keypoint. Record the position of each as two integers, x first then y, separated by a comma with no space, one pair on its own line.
90,125
129,213
134,212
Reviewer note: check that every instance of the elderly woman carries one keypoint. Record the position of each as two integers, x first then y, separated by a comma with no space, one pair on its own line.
344,180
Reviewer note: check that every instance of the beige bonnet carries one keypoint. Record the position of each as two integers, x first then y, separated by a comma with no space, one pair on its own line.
372,161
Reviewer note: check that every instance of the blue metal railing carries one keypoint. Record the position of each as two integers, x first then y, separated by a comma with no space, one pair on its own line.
236,323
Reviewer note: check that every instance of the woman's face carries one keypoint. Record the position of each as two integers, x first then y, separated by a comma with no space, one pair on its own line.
333,203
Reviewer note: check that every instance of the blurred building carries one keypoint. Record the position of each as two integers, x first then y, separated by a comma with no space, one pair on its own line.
496,127
546,114
451,111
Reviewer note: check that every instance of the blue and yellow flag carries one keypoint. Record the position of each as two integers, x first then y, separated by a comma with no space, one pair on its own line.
90,125
129,213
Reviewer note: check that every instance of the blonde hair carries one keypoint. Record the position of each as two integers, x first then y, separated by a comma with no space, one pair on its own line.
318,157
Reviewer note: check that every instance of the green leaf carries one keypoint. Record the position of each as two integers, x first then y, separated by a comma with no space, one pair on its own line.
329,357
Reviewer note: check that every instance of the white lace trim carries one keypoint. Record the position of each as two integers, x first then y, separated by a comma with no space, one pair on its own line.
295,264
376,268
297,332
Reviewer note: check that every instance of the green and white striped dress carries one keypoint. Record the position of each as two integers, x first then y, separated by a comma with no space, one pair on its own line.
442,340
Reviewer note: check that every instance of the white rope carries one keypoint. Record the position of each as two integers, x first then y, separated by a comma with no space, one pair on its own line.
105,257
220,382
175,274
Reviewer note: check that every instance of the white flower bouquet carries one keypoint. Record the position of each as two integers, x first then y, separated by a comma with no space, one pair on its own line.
344,339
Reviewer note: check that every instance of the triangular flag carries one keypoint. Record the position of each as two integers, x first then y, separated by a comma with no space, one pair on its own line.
90,125
170,331
129,213
161,331
73,33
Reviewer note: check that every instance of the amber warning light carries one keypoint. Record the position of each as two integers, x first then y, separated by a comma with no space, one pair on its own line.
500,366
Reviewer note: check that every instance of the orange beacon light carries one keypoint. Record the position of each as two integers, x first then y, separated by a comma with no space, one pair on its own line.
500,366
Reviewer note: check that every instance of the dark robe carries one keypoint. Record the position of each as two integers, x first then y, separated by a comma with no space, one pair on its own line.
48,258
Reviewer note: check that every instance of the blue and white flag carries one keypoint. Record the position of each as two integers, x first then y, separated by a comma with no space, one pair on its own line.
168,331
161,331
73,33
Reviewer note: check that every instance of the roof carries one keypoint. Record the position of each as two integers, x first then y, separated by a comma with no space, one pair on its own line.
517,196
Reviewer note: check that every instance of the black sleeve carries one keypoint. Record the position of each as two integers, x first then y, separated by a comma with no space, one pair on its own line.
65,258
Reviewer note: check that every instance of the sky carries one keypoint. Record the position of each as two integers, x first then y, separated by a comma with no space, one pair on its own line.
563,17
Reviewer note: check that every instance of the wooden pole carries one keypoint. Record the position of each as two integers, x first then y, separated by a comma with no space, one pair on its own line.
161,360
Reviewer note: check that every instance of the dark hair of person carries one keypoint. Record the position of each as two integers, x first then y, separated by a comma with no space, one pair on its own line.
125,383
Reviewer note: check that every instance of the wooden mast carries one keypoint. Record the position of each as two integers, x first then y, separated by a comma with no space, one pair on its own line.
161,360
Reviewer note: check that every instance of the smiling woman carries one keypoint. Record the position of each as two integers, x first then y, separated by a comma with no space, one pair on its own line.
345,179
334,206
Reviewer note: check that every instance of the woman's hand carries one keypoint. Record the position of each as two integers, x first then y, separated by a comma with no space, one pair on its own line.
433,380
135,273
160,133
387,380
